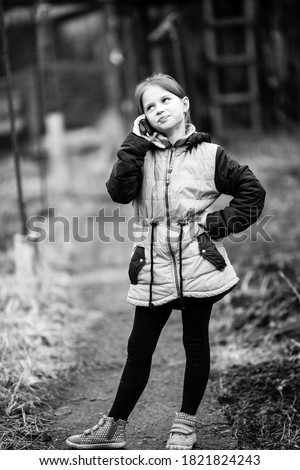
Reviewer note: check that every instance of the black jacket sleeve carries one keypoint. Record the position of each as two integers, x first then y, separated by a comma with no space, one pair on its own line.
126,177
248,197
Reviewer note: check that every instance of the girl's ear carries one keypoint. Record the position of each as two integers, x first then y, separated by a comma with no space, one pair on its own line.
186,103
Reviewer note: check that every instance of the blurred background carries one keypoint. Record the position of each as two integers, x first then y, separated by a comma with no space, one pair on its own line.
68,70
237,59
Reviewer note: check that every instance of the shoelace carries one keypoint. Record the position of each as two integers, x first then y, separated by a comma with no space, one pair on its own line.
96,427
198,425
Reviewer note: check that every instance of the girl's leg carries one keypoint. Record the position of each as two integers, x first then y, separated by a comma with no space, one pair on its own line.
147,327
195,319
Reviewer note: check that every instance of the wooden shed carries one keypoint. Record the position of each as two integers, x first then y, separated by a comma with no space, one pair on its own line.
237,59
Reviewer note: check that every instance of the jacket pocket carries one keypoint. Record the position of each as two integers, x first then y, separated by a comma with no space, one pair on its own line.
137,261
210,252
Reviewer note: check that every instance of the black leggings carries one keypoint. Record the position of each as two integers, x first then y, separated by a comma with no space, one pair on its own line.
147,327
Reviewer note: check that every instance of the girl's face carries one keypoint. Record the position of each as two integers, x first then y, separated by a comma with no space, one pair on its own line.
164,110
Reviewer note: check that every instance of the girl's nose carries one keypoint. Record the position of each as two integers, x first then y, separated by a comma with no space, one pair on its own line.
159,108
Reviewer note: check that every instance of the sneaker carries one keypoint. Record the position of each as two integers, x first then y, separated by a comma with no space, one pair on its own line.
107,434
183,432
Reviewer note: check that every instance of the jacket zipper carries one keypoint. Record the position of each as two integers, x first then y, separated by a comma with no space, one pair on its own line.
167,182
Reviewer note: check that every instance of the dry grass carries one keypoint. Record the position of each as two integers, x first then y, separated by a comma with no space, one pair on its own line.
268,301
262,403
260,392
35,349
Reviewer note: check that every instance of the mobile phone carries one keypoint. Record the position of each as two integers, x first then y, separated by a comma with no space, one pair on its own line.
145,127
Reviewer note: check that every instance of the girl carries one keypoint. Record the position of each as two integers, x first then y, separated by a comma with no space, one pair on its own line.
173,174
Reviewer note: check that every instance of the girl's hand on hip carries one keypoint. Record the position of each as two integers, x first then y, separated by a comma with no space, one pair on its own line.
139,130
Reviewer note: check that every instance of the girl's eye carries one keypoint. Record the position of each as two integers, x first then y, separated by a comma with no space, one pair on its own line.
166,99
149,108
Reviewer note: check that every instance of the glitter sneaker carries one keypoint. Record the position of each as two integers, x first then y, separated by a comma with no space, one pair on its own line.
183,432
107,434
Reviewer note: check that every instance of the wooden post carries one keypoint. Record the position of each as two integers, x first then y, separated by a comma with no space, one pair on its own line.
52,120
167,28
130,65
111,45
27,266
26,254
59,171
177,53
38,19
13,132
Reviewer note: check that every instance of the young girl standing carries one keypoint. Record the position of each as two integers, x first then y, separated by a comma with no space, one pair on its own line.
173,174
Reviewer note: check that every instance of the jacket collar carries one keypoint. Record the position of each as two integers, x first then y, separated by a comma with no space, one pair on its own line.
162,141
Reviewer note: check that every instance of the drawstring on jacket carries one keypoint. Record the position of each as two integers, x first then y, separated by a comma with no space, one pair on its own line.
153,224
181,223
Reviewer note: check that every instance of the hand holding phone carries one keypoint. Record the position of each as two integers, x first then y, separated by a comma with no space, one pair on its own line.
145,127
142,128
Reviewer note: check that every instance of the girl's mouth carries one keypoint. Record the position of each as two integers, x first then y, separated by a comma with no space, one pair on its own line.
162,119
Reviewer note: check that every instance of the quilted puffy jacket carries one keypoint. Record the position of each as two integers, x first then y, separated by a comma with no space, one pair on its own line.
177,251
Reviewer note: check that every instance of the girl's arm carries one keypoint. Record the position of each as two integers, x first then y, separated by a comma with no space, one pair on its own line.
248,197
126,177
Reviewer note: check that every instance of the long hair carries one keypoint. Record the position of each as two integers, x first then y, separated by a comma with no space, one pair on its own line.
166,82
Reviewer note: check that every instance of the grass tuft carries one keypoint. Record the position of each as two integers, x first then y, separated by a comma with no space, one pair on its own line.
33,353
260,392
262,403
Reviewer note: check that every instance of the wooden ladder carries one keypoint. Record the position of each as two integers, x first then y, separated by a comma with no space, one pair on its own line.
231,109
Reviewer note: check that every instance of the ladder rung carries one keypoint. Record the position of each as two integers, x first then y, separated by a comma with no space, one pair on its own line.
234,98
228,22
234,59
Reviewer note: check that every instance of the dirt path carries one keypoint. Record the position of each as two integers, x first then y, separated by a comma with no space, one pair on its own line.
100,284
101,355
